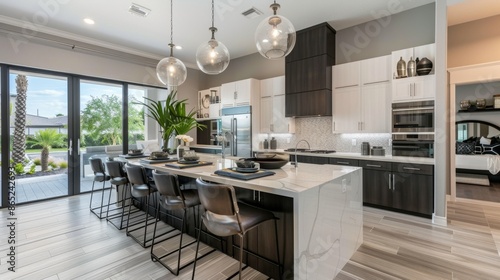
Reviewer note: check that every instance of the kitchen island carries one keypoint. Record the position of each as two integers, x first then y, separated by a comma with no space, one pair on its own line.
327,210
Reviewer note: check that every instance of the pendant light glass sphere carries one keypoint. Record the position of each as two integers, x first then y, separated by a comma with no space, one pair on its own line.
212,57
275,36
171,71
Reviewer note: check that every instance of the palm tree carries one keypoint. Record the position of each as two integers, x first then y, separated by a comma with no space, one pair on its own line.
46,138
19,142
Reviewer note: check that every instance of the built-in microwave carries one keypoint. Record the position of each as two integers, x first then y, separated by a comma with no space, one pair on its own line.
411,117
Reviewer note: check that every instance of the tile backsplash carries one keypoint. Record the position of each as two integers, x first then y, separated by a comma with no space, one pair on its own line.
318,132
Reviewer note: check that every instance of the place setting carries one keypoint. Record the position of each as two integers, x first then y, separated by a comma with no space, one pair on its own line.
158,157
245,169
188,159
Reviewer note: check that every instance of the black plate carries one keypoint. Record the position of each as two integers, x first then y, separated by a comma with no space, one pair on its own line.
245,170
135,154
158,158
188,162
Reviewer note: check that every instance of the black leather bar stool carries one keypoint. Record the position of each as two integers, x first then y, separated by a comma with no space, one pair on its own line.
120,181
101,177
140,188
173,198
224,216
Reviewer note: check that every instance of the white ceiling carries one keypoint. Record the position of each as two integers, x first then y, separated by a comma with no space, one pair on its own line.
149,36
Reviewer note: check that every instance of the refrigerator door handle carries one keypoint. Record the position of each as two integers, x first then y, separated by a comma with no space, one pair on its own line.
235,136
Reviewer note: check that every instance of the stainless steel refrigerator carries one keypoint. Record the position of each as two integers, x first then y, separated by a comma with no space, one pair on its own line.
237,128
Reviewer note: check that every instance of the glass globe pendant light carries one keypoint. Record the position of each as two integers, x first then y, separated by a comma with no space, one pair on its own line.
275,36
212,57
170,70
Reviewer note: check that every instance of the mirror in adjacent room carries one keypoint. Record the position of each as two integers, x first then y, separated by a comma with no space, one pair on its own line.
474,128
475,183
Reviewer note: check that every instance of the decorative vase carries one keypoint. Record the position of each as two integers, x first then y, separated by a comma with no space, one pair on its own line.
424,66
181,148
401,68
411,68
165,148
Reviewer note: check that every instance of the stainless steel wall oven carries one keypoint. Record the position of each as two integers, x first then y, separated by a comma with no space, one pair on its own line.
413,145
411,117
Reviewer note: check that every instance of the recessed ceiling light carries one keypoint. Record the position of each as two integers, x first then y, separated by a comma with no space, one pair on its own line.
89,21
178,47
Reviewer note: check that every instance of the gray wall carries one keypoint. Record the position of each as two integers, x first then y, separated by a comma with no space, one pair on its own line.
381,36
250,66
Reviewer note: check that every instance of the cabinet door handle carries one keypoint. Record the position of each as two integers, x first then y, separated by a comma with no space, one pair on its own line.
374,165
254,195
411,168
235,95
343,162
259,196
389,177
333,126
393,181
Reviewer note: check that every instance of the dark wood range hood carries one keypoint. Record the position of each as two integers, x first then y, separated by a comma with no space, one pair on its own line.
308,73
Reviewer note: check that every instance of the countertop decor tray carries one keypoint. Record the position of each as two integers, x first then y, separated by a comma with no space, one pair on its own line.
187,165
151,161
243,176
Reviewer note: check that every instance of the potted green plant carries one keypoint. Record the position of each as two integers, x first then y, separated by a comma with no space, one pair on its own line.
172,116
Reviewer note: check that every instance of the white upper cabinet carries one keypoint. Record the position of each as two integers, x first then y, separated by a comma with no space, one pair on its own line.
362,101
376,70
272,107
417,87
240,93
346,75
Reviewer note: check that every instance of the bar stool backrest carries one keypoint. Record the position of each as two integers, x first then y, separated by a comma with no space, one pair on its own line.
168,187
219,201
115,169
97,165
136,175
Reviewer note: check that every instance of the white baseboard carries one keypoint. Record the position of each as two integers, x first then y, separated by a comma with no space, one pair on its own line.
439,220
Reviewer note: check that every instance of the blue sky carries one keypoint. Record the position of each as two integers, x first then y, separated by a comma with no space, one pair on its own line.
47,96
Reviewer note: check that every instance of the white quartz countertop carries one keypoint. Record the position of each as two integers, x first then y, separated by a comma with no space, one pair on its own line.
416,160
288,180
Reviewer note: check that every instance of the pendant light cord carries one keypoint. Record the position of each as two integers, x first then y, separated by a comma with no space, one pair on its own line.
171,45
212,13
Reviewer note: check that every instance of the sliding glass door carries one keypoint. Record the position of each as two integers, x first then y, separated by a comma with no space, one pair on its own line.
38,134
101,125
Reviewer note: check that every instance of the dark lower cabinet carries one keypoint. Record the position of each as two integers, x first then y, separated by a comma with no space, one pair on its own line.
261,240
399,186
344,161
309,159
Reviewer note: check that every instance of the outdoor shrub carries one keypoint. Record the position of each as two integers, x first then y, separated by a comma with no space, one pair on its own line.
37,161
63,164
32,169
53,164
19,168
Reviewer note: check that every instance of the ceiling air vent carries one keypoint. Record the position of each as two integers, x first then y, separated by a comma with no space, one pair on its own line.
138,10
251,13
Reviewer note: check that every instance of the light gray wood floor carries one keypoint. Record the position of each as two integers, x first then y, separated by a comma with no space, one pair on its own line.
61,239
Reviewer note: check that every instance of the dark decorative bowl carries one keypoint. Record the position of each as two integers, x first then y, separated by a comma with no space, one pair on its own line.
135,152
269,163
245,163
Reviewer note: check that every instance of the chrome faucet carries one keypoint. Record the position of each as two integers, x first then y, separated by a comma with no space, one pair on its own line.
308,147
222,139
